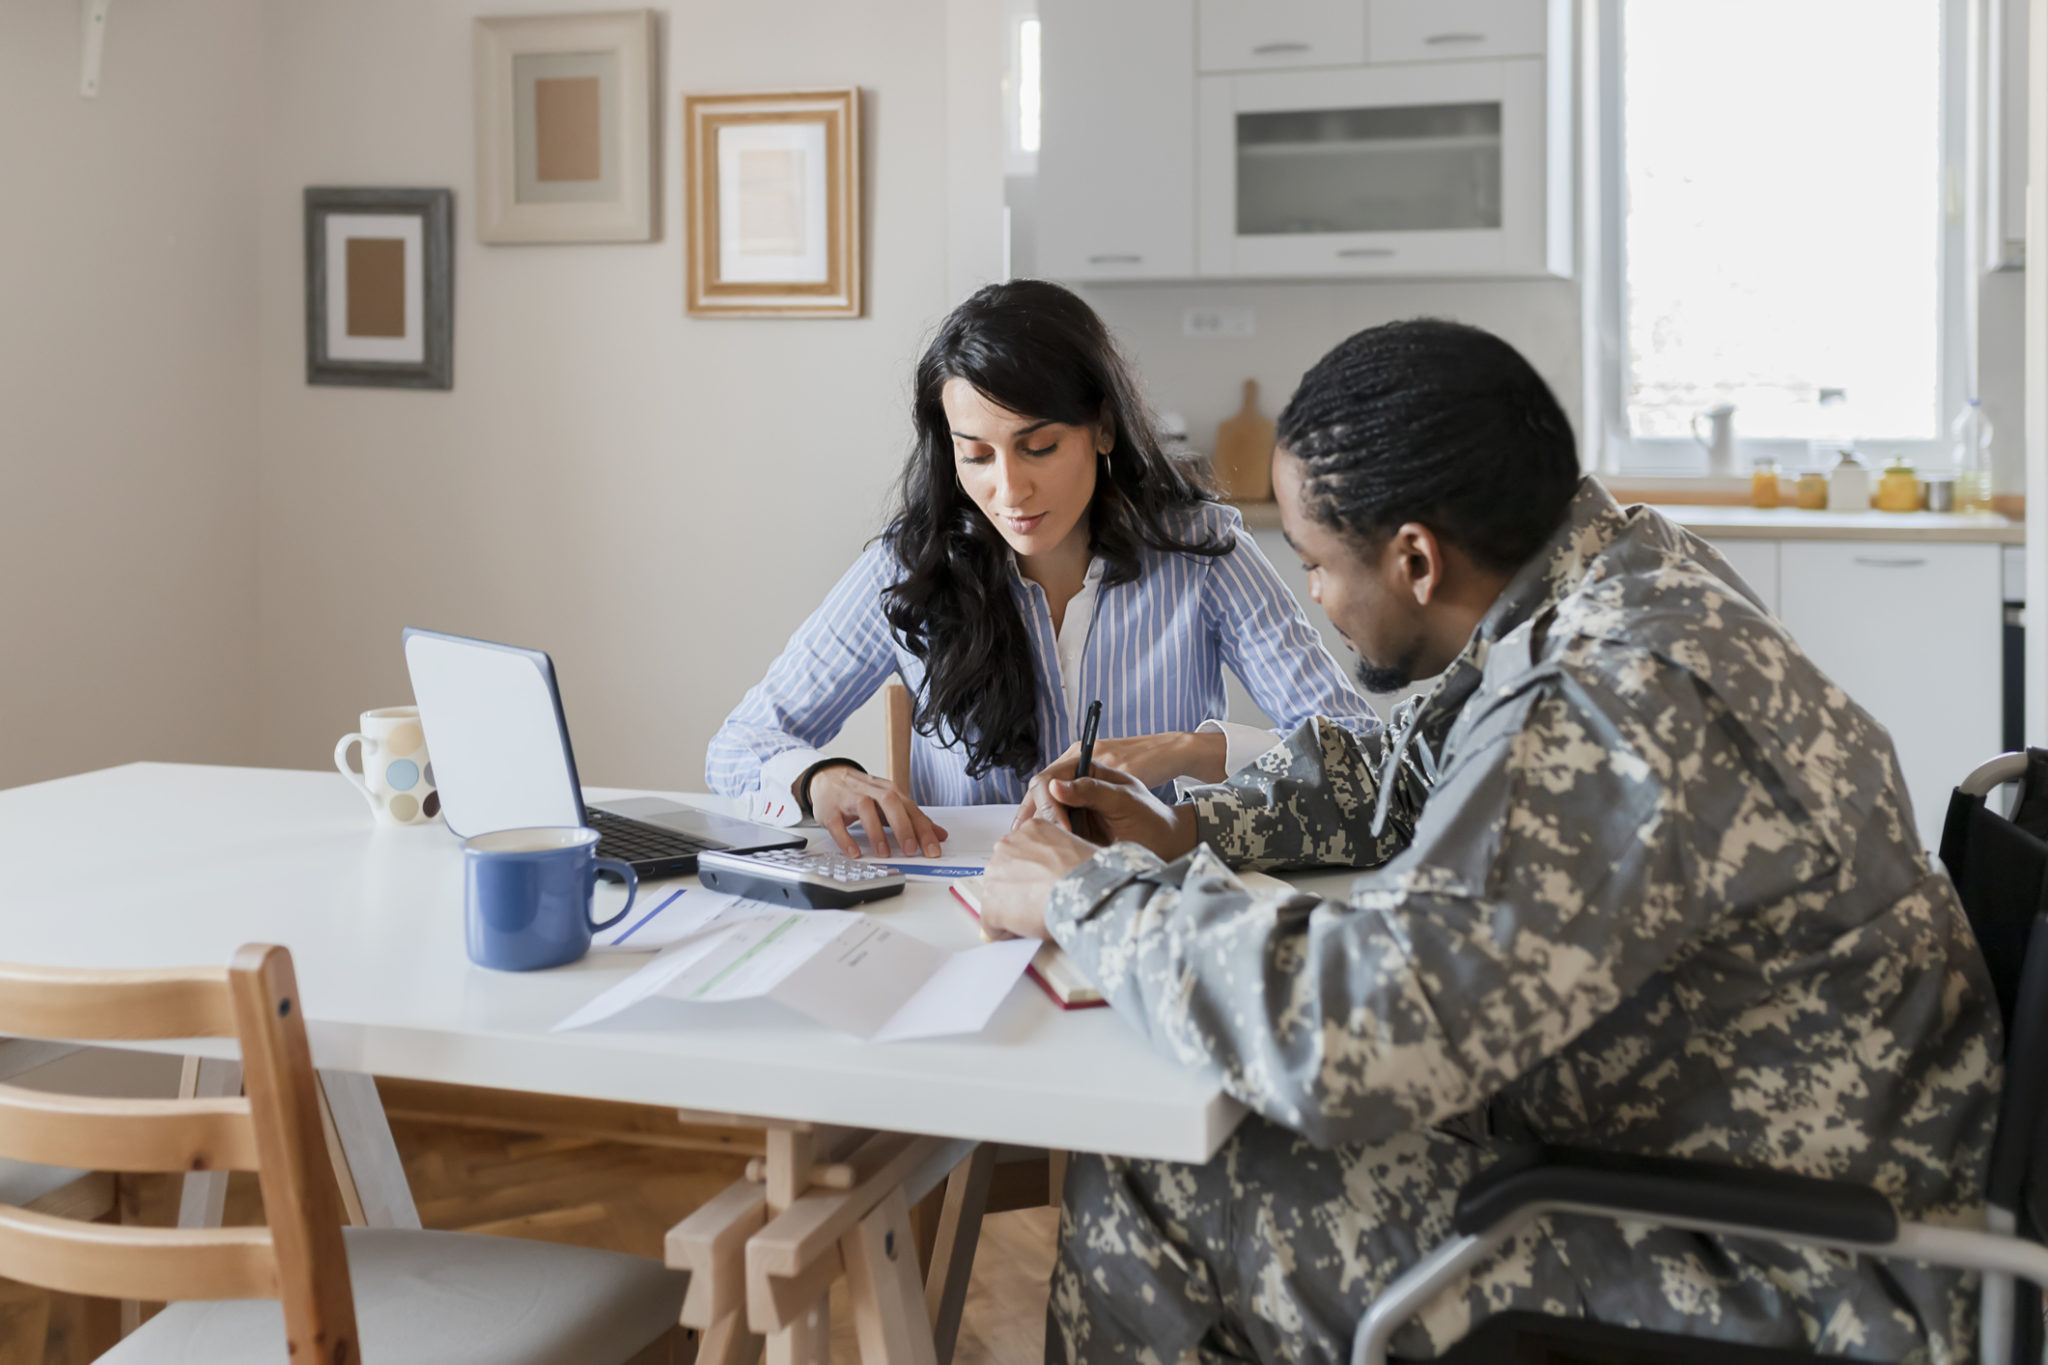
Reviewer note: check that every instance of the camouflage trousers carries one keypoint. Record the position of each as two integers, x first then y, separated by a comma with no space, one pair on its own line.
1274,1249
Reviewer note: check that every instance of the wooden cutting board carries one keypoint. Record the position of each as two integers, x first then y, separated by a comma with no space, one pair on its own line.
1244,452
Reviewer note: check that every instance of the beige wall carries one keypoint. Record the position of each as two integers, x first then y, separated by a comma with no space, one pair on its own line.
656,500
127,399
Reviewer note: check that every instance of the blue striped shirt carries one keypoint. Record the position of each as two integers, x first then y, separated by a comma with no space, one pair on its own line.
1155,655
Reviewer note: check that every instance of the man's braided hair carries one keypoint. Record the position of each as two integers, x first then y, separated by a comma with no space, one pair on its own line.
1438,423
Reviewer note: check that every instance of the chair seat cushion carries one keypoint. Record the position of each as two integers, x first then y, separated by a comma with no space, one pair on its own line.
445,1298
22,1184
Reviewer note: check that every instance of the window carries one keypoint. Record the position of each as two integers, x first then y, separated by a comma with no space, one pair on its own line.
1775,224
1021,87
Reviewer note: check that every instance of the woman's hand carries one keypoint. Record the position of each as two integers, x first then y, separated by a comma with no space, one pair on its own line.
1154,760
1021,876
1113,808
841,795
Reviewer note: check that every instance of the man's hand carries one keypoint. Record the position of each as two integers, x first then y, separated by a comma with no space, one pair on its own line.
842,795
1114,807
1021,875
1154,760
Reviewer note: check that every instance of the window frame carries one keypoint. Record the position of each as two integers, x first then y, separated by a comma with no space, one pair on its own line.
1658,458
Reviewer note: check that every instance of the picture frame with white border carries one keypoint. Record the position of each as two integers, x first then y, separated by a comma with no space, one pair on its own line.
420,354
773,204
610,129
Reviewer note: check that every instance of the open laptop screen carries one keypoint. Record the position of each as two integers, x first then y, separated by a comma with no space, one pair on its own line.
495,731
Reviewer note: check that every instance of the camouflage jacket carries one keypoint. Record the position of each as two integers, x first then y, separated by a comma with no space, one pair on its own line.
1641,879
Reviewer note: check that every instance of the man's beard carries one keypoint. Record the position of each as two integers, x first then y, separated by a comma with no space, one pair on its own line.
1390,677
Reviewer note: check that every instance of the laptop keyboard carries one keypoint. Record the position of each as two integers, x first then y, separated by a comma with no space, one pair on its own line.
636,841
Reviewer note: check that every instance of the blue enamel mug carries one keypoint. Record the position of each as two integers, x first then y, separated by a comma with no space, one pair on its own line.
526,894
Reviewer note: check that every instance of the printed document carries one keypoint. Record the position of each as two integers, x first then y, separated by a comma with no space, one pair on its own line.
840,967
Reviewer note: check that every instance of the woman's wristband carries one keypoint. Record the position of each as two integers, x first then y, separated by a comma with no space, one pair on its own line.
802,789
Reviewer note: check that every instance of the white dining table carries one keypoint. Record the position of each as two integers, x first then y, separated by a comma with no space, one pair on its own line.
156,865
161,865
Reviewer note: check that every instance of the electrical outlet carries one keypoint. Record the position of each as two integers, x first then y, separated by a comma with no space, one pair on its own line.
1217,323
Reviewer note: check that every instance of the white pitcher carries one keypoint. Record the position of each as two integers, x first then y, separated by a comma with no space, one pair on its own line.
1719,442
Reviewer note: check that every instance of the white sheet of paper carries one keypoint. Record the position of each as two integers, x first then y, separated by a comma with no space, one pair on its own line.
664,914
971,836
862,981
644,984
962,995
841,968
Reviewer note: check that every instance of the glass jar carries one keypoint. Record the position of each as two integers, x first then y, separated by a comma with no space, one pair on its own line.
1811,492
1763,484
1899,489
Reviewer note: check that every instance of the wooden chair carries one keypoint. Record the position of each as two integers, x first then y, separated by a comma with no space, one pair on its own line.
380,1296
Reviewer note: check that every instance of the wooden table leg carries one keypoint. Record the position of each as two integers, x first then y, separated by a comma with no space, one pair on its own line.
367,1159
886,1291
952,1257
728,1342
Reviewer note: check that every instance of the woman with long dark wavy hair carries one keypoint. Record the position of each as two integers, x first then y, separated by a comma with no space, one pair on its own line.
1046,553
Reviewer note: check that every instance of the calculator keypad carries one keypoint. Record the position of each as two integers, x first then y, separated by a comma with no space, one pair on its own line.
833,866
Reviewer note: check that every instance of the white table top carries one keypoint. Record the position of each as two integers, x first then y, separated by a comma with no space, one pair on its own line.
173,865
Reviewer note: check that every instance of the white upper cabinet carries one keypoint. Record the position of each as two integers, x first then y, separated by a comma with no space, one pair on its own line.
1438,169
1259,35
1322,139
1116,161
1455,30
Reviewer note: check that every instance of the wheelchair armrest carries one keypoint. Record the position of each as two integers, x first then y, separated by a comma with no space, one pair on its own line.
1676,1187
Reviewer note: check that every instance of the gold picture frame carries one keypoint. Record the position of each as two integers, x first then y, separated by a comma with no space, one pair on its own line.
772,199
566,127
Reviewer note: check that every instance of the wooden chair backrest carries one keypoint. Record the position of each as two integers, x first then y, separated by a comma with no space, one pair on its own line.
274,1131
896,733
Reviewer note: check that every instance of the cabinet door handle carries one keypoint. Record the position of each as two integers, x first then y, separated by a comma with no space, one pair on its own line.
1445,39
1882,562
1116,258
1365,251
1276,49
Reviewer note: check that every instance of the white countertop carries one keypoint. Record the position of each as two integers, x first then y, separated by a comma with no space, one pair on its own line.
1791,523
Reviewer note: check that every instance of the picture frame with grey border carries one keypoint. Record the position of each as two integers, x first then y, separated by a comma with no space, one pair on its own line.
402,341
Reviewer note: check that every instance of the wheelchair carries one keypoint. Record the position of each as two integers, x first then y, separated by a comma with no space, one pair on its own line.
2000,868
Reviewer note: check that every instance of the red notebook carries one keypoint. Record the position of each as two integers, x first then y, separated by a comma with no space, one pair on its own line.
1050,967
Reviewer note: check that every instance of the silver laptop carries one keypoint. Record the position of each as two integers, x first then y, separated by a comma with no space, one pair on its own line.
501,757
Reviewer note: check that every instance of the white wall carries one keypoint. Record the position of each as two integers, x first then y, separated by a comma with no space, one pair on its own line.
656,500
1297,323
127,400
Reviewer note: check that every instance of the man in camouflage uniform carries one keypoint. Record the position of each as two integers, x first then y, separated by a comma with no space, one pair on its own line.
1643,880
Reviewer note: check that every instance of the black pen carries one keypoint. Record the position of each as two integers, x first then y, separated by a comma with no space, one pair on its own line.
1087,758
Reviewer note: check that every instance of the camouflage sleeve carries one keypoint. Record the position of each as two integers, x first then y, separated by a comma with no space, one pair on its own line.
1310,801
1564,858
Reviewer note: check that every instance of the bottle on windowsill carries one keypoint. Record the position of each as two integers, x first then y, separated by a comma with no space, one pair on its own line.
1970,447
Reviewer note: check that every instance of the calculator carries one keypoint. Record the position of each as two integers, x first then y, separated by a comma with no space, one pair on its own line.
793,876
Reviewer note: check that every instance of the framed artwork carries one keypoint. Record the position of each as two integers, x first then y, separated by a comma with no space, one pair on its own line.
380,288
565,128
773,200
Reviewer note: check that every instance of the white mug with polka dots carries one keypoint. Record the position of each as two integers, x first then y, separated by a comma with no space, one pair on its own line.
397,779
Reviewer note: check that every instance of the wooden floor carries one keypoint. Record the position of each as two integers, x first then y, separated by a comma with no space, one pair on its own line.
567,1188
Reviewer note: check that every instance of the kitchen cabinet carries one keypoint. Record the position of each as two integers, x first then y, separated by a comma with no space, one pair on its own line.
1427,169
1446,30
1757,562
1912,631
1330,139
1259,35
1116,161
